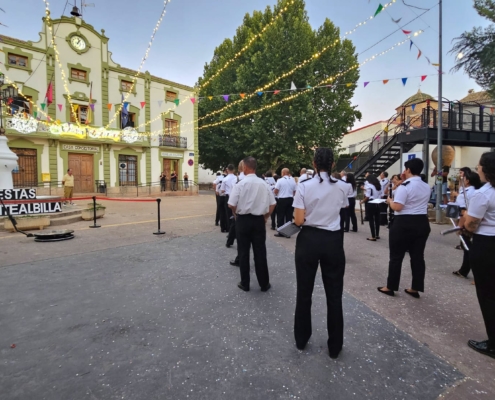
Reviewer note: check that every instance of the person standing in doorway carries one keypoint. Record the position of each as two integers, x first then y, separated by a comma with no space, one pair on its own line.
186,181
163,181
285,188
173,180
68,182
252,202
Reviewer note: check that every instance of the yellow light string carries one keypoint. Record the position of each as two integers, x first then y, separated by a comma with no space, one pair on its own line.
134,79
247,46
325,81
57,58
296,68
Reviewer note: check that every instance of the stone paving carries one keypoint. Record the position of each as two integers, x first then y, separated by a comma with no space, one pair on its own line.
120,313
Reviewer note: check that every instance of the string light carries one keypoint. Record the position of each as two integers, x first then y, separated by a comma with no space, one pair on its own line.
57,58
291,97
289,73
134,79
246,47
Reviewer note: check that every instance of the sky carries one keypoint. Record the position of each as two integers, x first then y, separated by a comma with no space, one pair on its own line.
191,29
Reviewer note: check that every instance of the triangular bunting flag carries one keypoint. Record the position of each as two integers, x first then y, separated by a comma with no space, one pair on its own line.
491,109
427,59
109,106
385,129
176,101
48,118
43,105
226,97
423,78
385,81
366,84
308,87
242,95
59,107
292,86
210,97
419,55
193,100
259,93
143,103
436,65
35,114
396,20
411,45
404,80
160,102
413,106
348,84
92,106
406,32
276,92
378,10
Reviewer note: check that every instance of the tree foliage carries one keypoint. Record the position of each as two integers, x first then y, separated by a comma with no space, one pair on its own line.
476,49
285,135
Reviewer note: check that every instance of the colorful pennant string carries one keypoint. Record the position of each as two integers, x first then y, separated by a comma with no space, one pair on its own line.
160,102
366,84
406,32
143,103
176,101
276,92
60,106
226,97
385,81
404,80
413,106
378,10
260,94
193,100
109,106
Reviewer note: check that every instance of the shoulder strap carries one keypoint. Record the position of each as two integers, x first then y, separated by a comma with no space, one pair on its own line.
406,183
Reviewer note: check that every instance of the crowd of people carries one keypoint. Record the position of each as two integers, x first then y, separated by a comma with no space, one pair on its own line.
322,206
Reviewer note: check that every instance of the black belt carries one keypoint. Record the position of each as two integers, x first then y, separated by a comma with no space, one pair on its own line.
249,215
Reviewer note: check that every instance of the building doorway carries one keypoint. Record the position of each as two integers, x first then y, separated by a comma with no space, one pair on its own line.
26,173
82,169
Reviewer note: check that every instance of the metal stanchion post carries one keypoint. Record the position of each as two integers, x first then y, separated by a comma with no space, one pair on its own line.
158,232
94,214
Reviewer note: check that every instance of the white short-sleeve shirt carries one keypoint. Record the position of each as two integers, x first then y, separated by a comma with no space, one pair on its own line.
482,206
371,192
414,195
286,187
229,181
461,201
218,182
252,196
322,202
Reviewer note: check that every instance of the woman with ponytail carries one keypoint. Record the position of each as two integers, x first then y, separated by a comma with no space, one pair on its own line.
317,206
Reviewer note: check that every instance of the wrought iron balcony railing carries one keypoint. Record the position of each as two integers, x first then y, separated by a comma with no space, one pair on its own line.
179,142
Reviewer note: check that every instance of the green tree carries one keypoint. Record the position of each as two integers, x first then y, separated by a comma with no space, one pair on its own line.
476,49
285,135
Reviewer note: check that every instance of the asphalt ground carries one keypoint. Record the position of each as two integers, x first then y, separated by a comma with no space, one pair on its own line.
118,313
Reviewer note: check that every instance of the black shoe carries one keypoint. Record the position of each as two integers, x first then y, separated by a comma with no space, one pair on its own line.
300,346
334,354
482,347
227,245
234,264
266,288
458,273
273,228
413,294
279,235
216,224
354,230
241,286
224,231
388,293
346,231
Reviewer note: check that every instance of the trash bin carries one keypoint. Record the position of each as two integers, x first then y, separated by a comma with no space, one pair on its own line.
101,186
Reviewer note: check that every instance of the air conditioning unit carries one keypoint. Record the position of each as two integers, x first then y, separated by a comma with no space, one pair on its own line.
123,165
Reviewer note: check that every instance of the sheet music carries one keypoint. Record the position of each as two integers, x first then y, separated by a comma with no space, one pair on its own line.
288,229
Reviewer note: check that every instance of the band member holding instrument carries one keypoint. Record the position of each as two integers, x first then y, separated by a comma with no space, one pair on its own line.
409,230
480,220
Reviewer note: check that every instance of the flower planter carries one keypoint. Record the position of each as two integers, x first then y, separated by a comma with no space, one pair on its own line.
27,223
88,214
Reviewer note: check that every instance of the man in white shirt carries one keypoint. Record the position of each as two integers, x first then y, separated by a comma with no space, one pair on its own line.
285,189
252,202
384,183
227,185
302,175
343,175
217,216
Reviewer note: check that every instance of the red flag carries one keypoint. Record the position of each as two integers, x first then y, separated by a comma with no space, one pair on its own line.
49,94
423,78
276,92
385,81
419,55
143,103
406,32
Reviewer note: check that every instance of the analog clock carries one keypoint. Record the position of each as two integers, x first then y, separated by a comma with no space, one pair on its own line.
78,43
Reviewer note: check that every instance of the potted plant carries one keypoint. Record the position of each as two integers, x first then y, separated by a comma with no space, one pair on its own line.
87,214
27,222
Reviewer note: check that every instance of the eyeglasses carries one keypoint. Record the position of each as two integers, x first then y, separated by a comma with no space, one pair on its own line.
476,168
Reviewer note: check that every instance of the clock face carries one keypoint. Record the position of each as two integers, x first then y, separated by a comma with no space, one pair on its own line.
78,42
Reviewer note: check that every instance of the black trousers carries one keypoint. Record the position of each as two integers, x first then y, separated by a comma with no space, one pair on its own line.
408,233
251,230
315,246
373,212
351,215
274,216
223,214
230,223
383,214
232,232
466,264
285,211
343,217
217,216
482,257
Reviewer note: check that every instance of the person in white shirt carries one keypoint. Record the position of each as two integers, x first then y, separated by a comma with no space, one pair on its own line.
343,175
227,185
373,191
317,204
252,202
270,180
285,190
224,227
410,229
351,210
385,184
233,229
217,215
480,220
302,175
471,183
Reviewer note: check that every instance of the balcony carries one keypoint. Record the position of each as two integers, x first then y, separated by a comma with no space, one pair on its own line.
179,142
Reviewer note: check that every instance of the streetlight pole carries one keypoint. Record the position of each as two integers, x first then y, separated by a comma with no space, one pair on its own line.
439,179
